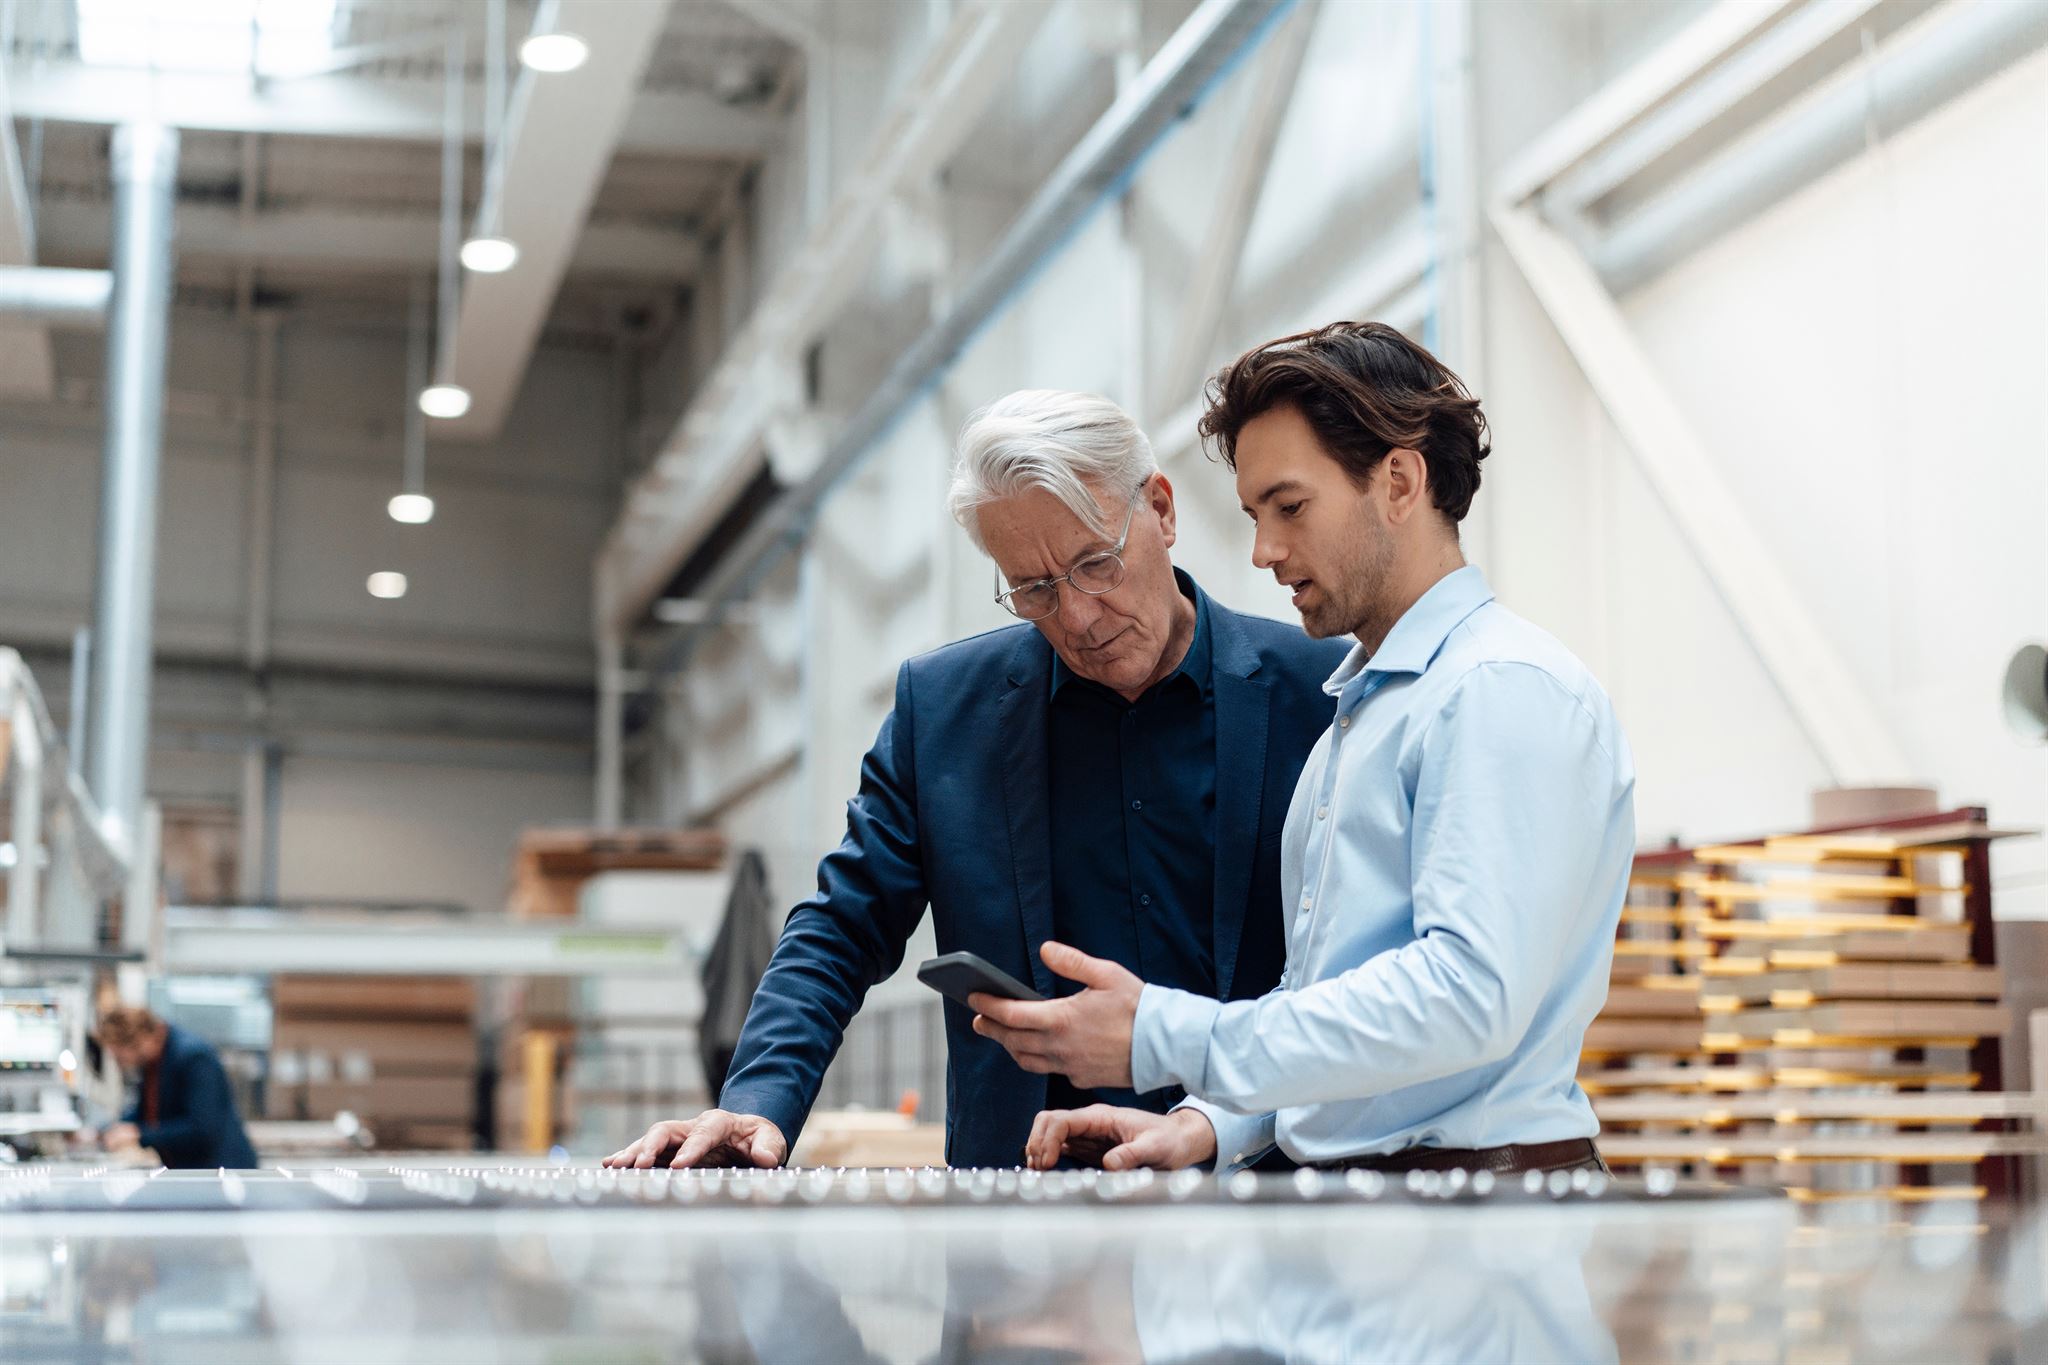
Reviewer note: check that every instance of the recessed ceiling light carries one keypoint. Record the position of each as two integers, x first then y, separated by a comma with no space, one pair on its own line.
444,400
489,255
414,509
387,584
553,52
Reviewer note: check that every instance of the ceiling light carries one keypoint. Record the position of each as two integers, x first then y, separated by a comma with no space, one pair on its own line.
553,52
444,400
387,585
489,255
414,509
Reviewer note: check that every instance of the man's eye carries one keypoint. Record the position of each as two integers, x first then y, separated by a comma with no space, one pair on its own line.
1288,509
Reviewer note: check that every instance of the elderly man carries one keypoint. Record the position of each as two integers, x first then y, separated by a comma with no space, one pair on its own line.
1112,775
1456,854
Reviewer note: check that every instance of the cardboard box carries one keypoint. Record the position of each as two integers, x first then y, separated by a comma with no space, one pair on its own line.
391,1045
415,1136
551,865
446,998
446,1098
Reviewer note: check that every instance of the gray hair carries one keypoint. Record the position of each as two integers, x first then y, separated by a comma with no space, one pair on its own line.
1045,438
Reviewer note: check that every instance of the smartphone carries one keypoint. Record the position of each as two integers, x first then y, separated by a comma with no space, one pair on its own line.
959,975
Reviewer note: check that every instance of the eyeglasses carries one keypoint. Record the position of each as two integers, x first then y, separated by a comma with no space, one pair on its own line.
1093,574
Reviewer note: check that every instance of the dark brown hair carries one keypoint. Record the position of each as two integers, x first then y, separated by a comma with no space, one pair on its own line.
127,1025
1364,389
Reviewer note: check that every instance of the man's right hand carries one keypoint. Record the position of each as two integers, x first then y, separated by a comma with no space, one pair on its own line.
713,1138
1120,1139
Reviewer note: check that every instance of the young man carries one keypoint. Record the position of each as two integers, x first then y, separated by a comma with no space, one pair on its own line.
1458,846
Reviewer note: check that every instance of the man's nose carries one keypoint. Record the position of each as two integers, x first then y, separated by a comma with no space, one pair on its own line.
1267,552
1079,611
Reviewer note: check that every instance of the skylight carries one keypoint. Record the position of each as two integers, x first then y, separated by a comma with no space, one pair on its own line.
269,37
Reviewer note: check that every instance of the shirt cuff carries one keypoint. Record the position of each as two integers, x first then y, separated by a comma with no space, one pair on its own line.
1170,1039
1241,1139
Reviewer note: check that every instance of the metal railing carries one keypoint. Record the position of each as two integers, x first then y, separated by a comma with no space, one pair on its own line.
63,872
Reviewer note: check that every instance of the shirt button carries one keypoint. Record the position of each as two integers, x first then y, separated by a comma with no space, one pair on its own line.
1144,900
1305,902
1137,805
1343,722
1322,811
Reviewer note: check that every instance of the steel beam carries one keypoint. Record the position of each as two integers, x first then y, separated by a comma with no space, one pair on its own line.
658,123
345,241
422,943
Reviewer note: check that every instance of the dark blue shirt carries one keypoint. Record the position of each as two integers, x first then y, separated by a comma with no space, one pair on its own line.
1134,832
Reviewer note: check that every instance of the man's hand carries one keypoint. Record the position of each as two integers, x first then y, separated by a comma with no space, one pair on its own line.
1084,1037
1120,1139
122,1137
713,1138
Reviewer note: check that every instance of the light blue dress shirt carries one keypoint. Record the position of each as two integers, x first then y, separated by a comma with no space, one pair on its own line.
1453,869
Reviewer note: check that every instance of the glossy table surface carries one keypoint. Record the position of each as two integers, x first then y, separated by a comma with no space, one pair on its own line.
561,1264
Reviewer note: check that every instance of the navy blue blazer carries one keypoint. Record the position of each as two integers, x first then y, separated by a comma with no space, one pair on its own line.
197,1127
954,812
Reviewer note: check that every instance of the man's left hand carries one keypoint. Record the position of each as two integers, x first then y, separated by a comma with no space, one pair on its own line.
1084,1037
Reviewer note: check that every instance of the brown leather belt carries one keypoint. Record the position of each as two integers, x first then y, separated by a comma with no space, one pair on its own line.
1530,1156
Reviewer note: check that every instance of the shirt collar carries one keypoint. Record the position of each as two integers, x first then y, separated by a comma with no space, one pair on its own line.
1415,639
1195,665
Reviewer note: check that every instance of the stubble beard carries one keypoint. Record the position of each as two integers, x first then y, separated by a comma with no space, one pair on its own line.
1354,601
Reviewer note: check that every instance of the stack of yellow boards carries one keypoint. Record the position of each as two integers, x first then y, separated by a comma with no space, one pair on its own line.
1819,1011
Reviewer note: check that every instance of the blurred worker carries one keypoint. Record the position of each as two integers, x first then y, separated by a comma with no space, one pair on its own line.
185,1109
1457,851
1112,774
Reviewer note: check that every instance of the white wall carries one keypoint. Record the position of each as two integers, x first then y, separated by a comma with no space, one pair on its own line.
412,832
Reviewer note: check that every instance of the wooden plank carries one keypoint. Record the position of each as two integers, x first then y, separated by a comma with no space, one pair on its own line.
1906,1077
1907,1147
1869,981
1823,926
1730,891
1654,914
1624,1001
1969,1106
1612,1080
1897,1194
1949,837
1940,943
1676,948
1874,1019
1804,1040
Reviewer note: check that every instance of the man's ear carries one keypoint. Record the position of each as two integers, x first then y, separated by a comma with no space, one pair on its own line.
1403,479
1159,491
